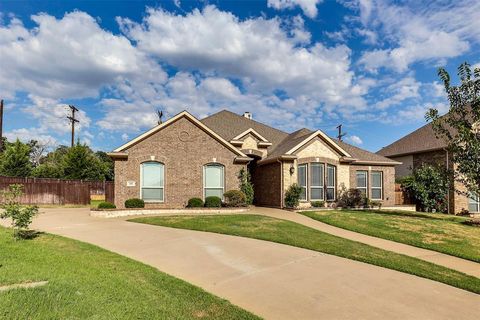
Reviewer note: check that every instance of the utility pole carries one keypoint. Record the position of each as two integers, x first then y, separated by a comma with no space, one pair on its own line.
340,134
73,120
1,125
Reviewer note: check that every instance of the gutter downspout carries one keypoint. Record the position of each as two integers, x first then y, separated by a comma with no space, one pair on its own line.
281,183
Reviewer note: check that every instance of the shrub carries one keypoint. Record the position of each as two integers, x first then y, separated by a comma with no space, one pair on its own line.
317,204
464,212
292,196
351,198
235,198
106,205
376,204
246,185
21,216
134,203
213,202
195,203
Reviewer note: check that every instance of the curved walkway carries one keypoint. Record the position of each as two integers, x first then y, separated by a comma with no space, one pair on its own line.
272,280
459,264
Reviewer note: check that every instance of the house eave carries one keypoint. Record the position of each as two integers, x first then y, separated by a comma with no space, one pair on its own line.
117,155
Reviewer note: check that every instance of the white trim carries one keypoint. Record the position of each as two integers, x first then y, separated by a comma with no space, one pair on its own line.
365,172
255,133
334,186
306,180
474,200
172,120
162,187
322,135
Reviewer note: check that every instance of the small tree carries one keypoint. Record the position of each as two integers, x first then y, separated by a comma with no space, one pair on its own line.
292,196
81,163
21,216
460,127
15,160
246,185
428,186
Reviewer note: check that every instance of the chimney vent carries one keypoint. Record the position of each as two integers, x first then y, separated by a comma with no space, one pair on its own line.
248,115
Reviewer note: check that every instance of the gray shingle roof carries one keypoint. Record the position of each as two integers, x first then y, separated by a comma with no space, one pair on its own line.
420,140
228,125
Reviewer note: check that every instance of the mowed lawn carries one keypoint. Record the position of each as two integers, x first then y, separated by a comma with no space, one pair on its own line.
439,232
86,282
294,234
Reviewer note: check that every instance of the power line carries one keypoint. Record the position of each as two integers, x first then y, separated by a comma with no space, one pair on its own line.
73,120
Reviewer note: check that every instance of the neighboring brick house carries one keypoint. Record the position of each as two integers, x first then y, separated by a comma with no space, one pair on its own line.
185,157
423,147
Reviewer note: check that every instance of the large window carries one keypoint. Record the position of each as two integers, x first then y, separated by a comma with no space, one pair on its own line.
377,185
330,183
152,186
474,203
362,182
316,181
213,180
302,181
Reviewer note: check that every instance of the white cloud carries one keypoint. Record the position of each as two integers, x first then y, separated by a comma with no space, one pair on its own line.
68,57
309,7
415,32
27,134
257,51
354,140
398,92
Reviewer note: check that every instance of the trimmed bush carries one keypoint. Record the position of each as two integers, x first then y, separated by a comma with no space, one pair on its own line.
106,205
352,198
134,203
195,203
213,202
292,196
235,198
318,204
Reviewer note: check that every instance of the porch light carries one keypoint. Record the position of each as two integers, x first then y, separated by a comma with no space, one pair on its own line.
292,170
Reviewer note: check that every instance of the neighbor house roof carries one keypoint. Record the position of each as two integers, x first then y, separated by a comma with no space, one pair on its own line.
229,125
420,140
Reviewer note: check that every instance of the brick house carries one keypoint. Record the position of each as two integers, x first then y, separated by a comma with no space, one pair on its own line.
185,157
423,147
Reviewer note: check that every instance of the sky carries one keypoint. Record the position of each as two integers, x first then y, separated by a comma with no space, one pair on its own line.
370,65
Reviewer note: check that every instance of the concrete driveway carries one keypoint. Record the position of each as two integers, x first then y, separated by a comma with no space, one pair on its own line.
271,280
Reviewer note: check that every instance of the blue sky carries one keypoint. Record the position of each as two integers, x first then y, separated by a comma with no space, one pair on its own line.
370,65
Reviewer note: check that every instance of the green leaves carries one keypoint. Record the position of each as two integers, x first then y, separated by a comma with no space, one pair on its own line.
15,160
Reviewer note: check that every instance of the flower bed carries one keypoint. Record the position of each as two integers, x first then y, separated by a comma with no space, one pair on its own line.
114,213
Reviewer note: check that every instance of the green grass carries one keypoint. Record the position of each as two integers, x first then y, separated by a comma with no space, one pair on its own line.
86,282
95,203
438,232
294,234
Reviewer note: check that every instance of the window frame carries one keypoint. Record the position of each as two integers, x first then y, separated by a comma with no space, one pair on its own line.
303,165
322,180
365,172
474,199
205,179
372,187
334,186
162,187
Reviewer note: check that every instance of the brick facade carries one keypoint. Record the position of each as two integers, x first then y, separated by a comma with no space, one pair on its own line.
267,185
388,181
184,149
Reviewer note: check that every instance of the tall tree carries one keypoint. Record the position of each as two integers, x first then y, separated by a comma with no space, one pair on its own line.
15,160
460,127
81,163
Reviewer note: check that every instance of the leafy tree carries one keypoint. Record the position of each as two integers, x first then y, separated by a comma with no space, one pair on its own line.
15,160
460,127
20,216
48,170
246,185
428,186
107,164
81,163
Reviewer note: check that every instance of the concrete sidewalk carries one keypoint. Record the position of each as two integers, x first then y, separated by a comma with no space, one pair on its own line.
272,280
462,265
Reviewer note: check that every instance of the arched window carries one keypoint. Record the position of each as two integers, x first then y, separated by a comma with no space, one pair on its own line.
213,180
152,178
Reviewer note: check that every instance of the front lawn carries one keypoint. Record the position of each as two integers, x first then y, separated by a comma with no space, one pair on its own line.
438,232
294,234
86,282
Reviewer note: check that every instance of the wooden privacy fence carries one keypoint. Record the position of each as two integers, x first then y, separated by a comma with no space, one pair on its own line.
401,197
59,192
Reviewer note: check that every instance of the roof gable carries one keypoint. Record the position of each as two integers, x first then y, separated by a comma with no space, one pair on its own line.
323,137
191,118
252,132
